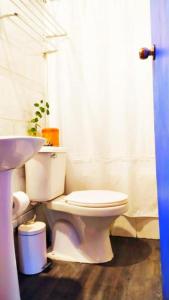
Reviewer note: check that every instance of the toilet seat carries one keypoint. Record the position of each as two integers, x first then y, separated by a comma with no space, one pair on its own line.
96,198
61,204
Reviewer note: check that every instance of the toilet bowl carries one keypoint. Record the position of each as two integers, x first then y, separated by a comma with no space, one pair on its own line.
79,221
80,229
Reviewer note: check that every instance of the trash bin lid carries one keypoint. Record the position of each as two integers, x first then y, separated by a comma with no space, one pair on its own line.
31,229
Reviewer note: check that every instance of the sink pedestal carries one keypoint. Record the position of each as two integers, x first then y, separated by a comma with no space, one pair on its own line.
9,288
14,152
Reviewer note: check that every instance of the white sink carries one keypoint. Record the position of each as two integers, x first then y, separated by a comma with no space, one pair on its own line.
14,152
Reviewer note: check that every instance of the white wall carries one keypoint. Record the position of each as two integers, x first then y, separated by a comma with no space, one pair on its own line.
22,74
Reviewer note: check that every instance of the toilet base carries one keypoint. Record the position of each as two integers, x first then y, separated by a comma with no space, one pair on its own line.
80,239
55,256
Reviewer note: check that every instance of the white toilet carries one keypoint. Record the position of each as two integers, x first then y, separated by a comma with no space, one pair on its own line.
79,221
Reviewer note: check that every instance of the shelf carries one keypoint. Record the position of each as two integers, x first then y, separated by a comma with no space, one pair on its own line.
33,17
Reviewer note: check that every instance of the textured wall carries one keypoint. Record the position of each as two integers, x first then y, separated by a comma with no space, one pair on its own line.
21,78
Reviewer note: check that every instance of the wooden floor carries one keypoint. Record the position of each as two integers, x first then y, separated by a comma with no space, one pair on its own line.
134,274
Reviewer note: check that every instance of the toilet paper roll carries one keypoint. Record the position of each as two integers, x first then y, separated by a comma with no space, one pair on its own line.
20,203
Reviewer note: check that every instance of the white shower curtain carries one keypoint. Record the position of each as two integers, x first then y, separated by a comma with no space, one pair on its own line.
101,99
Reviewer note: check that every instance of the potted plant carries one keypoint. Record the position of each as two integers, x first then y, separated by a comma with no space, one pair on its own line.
42,109
51,134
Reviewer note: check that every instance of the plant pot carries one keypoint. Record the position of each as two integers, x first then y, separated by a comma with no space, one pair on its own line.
51,135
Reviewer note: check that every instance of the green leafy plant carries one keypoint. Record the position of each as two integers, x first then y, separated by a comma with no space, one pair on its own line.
42,109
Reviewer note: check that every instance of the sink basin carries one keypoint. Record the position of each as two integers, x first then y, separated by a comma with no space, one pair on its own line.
16,150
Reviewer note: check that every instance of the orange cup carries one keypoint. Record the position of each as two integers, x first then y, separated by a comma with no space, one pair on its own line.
51,135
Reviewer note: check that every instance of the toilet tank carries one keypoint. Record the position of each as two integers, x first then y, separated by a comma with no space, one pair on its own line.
45,174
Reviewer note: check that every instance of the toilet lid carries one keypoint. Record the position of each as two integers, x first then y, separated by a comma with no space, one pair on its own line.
96,198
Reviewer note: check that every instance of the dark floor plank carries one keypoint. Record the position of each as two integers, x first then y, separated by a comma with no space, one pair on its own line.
133,274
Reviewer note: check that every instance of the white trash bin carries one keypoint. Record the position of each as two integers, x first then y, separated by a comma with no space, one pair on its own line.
32,247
